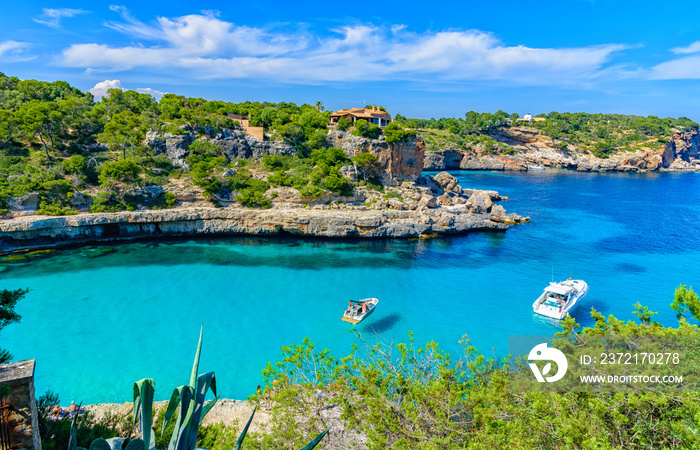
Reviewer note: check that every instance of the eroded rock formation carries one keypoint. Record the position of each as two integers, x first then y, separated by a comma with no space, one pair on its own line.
234,144
682,152
397,161
431,206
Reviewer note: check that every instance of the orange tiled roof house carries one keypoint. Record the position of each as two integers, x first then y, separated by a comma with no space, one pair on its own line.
375,116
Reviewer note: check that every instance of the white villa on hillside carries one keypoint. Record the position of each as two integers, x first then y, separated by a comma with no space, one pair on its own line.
529,118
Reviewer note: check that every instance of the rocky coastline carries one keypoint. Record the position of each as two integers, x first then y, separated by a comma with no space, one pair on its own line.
409,205
437,207
680,153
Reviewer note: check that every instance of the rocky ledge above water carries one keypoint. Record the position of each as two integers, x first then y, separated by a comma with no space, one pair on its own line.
435,205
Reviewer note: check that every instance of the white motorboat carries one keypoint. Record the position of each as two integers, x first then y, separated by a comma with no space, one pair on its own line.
359,309
559,299
535,167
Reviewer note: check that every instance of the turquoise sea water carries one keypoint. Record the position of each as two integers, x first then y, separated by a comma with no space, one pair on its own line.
97,320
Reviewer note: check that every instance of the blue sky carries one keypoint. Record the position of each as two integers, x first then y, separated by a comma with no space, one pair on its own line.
420,59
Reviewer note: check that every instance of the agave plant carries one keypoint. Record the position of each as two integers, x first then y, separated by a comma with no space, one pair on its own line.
190,399
116,444
143,409
100,444
191,412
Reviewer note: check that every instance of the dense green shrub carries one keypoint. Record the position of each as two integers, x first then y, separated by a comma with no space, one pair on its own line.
603,149
276,162
55,433
205,149
337,183
366,129
74,165
332,156
55,198
106,202
317,139
170,199
396,133
122,171
253,198
280,178
310,191
55,209
343,124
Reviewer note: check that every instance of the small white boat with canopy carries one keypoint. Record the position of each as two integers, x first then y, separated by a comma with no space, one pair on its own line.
359,309
559,299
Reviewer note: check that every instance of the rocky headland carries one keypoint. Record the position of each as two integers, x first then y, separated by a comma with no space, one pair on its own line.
680,153
433,206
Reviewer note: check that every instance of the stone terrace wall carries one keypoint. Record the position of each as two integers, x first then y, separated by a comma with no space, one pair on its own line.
23,417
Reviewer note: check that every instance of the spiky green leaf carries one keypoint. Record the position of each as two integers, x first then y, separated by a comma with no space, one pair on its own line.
195,366
205,382
239,442
182,396
172,406
136,444
315,442
143,403
116,444
73,439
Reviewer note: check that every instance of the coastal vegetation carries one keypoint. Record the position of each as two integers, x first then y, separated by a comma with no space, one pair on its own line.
412,397
8,315
69,150
599,134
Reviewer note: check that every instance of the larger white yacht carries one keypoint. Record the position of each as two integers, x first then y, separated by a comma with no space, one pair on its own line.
559,299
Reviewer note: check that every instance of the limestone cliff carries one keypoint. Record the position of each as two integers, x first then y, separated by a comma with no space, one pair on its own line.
41,231
432,206
682,152
398,161
233,142
535,149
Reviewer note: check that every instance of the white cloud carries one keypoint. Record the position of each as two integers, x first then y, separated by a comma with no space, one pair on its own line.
152,92
101,88
14,51
52,16
686,68
209,47
692,48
